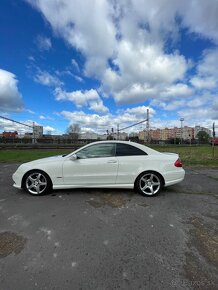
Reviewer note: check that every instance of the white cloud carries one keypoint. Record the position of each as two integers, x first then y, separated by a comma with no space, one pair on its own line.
160,16
88,98
201,17
197,102
10,97
173,105
43,43
140,58
183,104
46,79
67,72
6,125
148,63
125,47
200,110
204,83
30,111
31,58
135,92
144,72
178,90
208,65
206,71
49,129
195,114
75,64
87,26
79,79
206,77
42,117
140,111
102,123
87,120
98,106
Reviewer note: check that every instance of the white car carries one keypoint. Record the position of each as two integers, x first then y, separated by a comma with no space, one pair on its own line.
103,164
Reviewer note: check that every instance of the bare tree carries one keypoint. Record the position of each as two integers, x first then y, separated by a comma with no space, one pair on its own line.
74,131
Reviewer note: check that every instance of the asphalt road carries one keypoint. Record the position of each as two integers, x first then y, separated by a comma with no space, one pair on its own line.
110,239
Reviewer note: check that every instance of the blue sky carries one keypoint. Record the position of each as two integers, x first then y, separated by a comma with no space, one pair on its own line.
103,63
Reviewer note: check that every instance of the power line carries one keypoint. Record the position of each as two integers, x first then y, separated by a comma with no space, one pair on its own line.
133,125
16,122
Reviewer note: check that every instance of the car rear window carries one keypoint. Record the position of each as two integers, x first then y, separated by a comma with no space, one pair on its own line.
128,150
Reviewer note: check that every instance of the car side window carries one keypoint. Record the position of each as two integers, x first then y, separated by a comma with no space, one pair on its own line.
128,150
97,151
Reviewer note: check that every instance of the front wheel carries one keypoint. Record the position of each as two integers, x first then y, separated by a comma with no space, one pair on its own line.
37,183
149,183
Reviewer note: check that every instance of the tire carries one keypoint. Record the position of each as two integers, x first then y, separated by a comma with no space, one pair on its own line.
37,183
149,183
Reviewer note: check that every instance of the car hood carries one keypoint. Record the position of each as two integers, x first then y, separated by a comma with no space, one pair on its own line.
45,160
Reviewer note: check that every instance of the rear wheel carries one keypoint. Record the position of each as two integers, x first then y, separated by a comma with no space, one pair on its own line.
37,183
149,183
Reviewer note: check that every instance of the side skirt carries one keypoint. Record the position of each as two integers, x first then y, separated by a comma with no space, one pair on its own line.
67,186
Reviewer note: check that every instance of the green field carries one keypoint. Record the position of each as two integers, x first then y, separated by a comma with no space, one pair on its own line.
17,155
190,155
193,155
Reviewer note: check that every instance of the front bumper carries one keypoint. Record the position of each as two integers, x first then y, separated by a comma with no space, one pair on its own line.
16,186
17,178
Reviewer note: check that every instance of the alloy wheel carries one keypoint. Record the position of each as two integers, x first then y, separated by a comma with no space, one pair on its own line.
149,184
36,183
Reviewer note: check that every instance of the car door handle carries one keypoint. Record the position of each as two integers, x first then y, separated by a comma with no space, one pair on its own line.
112,161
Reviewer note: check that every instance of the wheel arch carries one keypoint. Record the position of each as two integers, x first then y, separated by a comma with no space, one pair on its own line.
150,171
33,170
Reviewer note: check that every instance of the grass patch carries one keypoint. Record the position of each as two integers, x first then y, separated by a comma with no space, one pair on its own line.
29,155
193,155
190,155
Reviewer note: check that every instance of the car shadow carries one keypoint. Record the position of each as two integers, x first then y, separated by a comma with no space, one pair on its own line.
93,191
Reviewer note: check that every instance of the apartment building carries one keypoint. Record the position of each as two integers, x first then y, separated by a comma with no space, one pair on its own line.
199,128
185,133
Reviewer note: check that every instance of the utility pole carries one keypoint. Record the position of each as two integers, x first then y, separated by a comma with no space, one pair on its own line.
147,134
112,133
181,135
213,141
34,139
118,132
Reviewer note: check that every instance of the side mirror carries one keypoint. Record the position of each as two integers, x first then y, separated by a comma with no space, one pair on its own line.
73,157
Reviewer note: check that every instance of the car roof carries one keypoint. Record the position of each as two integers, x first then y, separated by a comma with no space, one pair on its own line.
148,150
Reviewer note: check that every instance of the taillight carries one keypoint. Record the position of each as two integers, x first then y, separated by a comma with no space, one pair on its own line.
178,163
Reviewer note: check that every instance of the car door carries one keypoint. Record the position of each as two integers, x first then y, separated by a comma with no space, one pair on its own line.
95,164
130,159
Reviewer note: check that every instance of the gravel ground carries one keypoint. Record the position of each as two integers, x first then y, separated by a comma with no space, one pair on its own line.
110,239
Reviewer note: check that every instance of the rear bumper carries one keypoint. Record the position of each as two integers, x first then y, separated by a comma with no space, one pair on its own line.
173,181
174,177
